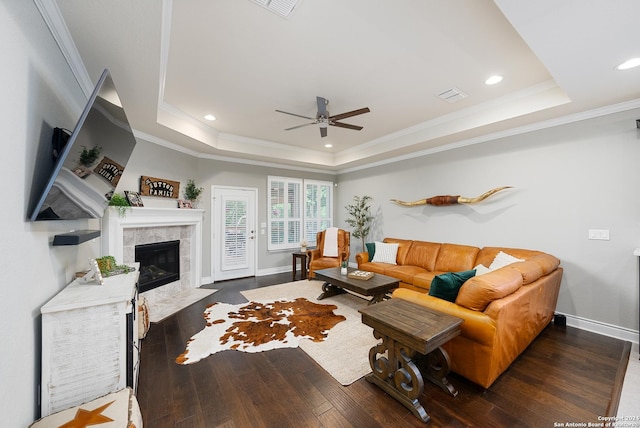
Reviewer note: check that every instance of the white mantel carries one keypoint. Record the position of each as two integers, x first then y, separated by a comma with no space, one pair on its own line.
113,226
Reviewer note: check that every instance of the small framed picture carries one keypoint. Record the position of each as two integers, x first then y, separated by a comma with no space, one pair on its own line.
184,204
93,273
134,198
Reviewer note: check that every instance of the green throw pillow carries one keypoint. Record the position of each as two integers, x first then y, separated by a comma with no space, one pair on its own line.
371,249
447,285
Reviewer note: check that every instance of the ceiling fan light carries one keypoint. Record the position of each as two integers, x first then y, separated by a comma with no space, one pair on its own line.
323,124
328,145
630,63
493,80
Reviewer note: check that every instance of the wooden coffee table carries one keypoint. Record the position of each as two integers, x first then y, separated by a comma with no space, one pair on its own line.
411,338
336,283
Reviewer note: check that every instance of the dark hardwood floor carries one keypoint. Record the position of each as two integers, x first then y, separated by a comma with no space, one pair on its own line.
566,375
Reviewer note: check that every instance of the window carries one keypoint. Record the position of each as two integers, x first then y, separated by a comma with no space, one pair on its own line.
298,209
318,208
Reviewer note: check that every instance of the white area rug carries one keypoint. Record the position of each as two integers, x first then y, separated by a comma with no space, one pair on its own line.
345,352
161,309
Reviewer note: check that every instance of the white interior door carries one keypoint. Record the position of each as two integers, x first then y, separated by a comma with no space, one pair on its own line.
234,232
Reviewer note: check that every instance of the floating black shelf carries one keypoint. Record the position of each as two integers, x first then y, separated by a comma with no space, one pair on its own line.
75,238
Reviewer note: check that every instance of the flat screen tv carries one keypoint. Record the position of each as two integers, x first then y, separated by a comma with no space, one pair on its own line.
89,165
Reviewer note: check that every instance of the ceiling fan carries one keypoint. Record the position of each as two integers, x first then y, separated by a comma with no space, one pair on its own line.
324,120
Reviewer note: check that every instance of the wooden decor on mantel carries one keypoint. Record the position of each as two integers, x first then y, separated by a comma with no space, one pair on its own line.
151,186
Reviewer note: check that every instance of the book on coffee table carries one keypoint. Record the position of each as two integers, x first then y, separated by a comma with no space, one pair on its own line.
360,274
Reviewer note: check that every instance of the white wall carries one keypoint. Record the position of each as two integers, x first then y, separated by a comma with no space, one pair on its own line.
213,172
156,161
566,179
152,160
38,92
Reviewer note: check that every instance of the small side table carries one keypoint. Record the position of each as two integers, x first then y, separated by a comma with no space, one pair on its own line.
411,336
303,265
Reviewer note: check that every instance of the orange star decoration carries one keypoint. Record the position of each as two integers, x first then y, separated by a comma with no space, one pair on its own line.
84,418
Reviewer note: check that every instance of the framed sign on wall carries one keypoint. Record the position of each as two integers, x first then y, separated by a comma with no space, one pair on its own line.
151,186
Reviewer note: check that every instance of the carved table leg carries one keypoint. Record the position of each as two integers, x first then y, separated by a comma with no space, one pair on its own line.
376,299
397,374
436,368
329,290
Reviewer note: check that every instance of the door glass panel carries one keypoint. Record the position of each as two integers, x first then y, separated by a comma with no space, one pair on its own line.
235,234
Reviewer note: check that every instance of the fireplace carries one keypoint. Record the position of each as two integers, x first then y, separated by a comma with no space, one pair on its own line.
159,264
146,225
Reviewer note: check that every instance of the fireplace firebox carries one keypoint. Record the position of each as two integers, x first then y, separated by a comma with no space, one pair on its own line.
159,264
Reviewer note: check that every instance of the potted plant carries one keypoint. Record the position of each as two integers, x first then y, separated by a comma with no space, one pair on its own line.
360,217
192,192
120,202
86,160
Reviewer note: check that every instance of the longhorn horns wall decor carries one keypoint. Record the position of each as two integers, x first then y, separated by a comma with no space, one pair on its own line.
449,199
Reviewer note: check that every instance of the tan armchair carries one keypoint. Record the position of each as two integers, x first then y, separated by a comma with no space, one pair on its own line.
317,261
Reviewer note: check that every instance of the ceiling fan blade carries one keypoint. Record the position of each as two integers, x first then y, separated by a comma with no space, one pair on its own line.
322,106
323,132
300,126
350,113
298,115
346,125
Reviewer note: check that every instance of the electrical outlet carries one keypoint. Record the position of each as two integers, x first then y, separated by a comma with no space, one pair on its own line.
599,234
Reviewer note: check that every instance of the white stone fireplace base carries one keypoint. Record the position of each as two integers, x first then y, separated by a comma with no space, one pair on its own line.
141,225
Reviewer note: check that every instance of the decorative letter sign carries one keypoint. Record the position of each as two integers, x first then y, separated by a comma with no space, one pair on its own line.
150,186
109,170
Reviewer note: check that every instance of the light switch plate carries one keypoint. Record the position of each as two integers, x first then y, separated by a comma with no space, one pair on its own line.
599,234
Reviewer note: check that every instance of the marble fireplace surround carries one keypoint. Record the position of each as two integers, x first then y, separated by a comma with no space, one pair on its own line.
142,225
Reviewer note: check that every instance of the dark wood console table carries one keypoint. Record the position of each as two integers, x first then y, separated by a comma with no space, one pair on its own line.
411,336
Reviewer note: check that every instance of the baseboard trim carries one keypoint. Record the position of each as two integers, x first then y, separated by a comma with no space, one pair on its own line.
605,329
274,270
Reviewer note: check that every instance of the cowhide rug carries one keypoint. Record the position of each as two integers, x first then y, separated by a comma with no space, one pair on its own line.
260,326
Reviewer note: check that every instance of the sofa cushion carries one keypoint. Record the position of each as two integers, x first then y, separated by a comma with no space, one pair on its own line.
423,280
385,253
503,259
548,262
423,254
403,248
371,249
404,273
529,270
488,254
374,267
456,258
447,285
481,269
479,291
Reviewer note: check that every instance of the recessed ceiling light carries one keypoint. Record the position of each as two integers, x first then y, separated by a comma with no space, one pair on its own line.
328,145
630,63
493,80
210,117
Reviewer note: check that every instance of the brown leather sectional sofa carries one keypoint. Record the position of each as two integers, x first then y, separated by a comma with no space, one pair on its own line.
503,310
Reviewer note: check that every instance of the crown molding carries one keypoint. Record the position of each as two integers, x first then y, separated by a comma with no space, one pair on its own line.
589,114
